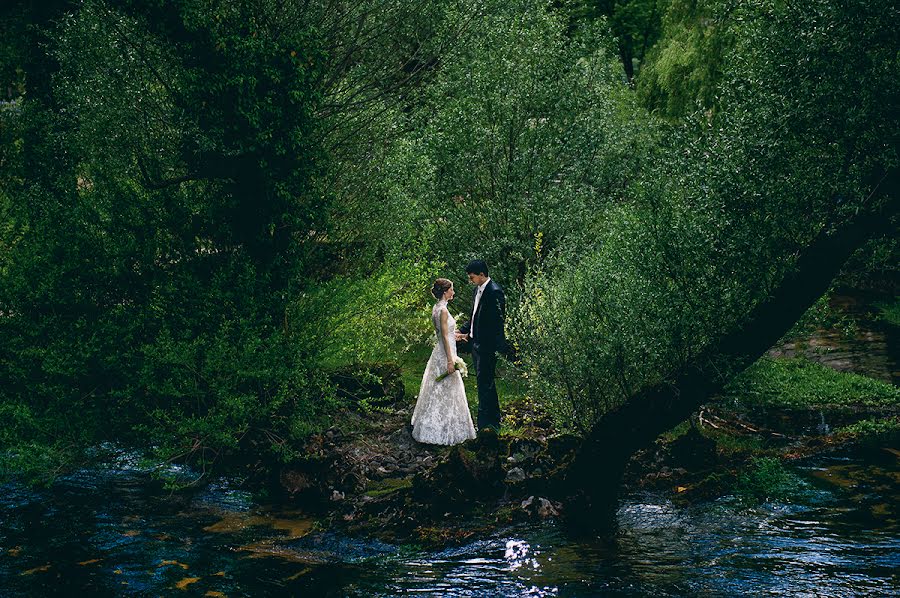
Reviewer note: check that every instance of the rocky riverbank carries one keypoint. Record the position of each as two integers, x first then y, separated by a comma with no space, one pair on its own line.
367,476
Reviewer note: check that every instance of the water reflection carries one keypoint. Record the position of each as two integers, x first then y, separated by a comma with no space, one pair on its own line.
517,555
112,532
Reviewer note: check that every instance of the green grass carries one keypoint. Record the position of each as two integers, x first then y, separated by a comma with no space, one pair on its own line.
734,445
800,383
876,431
890,311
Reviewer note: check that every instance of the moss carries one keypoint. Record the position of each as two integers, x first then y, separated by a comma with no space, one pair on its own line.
800,383
387,486
676,432
733,445
442,536
512,432
767,478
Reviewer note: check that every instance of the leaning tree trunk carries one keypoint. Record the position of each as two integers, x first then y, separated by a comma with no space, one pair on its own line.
594,479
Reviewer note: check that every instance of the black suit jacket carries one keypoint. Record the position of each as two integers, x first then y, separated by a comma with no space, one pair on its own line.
488,320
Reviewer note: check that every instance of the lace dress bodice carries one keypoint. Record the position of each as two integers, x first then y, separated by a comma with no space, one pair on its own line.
451,332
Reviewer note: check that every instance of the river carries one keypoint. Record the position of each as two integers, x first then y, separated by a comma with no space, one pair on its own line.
112,531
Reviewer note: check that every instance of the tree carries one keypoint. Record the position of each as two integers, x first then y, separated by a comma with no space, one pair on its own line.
636,25
748,215
164,211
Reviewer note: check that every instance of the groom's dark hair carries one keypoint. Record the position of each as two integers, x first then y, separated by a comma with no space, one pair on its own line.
477,267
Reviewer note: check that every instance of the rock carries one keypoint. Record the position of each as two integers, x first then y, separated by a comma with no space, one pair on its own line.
515,475
294,481
541,507
335,495
547,509
459,478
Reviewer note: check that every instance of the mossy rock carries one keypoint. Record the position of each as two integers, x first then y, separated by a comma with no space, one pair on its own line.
380,488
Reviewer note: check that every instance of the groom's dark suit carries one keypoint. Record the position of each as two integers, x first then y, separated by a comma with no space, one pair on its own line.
488,338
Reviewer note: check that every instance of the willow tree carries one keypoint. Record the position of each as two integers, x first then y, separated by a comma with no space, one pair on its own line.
746,217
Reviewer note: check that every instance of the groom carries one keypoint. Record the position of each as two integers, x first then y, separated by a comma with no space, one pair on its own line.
485,331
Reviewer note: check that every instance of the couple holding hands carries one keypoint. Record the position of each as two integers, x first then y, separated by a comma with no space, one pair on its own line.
441,415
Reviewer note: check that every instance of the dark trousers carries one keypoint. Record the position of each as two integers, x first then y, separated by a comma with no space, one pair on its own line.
488,403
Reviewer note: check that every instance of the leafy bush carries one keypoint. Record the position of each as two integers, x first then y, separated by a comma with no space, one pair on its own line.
710,225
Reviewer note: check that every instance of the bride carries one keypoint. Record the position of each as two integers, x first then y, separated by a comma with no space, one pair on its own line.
442,413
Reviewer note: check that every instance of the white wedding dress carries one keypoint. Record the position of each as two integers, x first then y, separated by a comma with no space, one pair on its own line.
442,413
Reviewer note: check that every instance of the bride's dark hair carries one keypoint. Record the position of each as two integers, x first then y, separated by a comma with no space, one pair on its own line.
441,286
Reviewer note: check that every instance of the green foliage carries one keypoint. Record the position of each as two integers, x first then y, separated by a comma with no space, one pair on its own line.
711,224
890,311
636,25
162,225
520,138
873,432
800,383
683,70
203,206
361,318
767,478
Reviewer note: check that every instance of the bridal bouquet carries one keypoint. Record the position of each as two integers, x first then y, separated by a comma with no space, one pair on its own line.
460,366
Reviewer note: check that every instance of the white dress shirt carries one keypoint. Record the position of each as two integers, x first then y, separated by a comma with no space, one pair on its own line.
478,294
